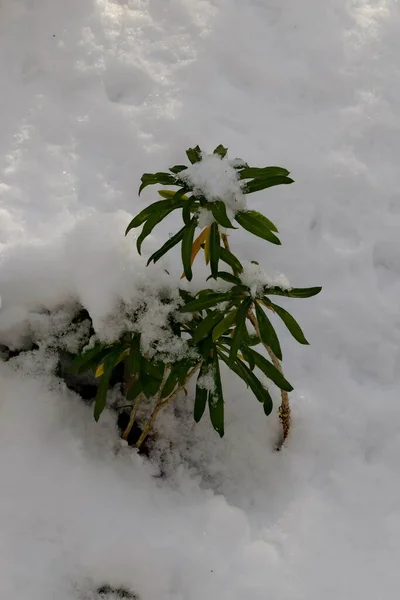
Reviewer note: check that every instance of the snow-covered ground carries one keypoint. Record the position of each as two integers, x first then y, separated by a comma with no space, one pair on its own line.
93,94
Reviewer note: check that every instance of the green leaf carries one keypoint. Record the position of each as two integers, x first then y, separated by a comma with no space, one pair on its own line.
267,368
154,178
267,332
205,326
177,169
170,383
240,290
186,250
268,406
194,154
228,277
261,183
173,241
101,397
201,393
89,359
257,224
221,151
231,260
159,207
214,249
133,358
153,368
185,295
200,403
293,292
243,371
218,210
148,227
216,401
255,172
149,384
206,301
134,390
240,322
290,323
224,325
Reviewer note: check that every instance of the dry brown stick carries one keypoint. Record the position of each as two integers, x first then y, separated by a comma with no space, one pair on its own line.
284,409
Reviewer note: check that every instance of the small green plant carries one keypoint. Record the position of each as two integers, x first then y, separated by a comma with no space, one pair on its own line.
204,329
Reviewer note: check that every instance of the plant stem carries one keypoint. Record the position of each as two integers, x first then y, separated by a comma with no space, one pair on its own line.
284,409
161,404
132,417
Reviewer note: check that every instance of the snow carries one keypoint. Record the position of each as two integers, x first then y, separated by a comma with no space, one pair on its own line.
215,178
257,279
97,92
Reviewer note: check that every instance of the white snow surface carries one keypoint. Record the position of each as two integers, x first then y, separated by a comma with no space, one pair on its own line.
97,92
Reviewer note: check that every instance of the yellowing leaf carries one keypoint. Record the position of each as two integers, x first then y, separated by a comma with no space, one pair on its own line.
169,194
266,305
99,370
197,245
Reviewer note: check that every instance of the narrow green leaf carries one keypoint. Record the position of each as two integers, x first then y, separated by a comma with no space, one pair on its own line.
186,249
257,224
101,397
267,332
134,390
89,359
231,260
218,210
153,368
293,292
228,277
214,249
149,384
254,172
201,393
221,151
243,371
158,207
216,401
173,241
200,403
224,325
240,322
205,326
133,358
177,169
267,368
170,384
148,227
290,323
261,183
194,154
154,178
207,301
268,406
